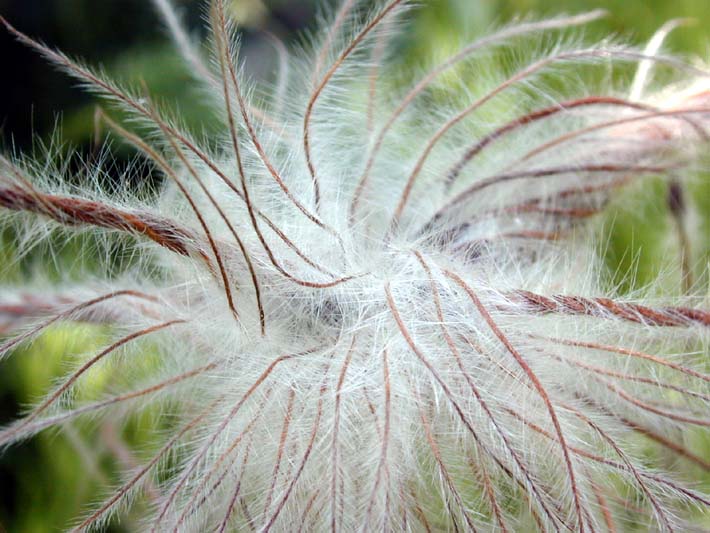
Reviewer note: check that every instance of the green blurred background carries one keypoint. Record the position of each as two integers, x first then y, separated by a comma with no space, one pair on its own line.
46,482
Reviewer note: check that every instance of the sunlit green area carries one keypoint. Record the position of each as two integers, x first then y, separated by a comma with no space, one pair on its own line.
48,481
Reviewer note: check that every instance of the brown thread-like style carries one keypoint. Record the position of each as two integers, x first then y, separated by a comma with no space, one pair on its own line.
536,383
324,82
518,30
608,308
73,211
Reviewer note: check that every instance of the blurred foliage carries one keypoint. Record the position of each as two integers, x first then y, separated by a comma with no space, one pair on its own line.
50,479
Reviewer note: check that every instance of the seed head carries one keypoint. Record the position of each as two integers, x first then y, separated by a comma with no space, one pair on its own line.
377,308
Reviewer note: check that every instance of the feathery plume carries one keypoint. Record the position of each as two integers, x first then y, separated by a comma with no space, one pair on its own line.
383,309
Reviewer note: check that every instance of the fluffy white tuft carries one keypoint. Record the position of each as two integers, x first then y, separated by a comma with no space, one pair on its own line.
382,309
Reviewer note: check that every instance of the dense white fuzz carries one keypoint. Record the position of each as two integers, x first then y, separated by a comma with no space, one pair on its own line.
377,305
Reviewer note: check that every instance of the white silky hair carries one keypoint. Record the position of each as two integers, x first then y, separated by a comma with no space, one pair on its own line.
371,307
